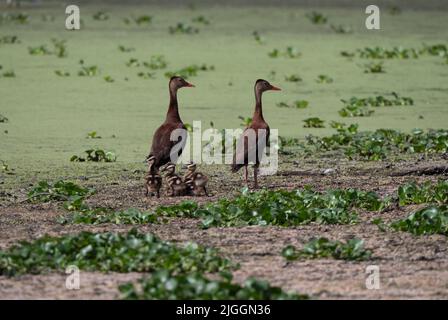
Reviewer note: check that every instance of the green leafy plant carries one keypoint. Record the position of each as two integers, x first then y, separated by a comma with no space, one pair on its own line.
379,101
95,155
61,73
314,122
109,79
3,119
245,121
353,249
283,208
165,285
60,48
428,220
146,75
182,28
9,40
258,38
297,104
125,49
39,50
378,144
101,215
109,252
87,71
293,78
8,74
156,62
374,67
322,78
355,111
316,17
93,135
190,71
60,190
100,16
18,18
201,20
341,29
133,62
143,19
290,52
413,193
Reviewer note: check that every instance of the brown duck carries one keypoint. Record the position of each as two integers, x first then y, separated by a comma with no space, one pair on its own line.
161,142
251,151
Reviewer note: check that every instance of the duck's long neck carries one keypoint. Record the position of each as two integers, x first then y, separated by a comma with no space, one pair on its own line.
173,109
258,113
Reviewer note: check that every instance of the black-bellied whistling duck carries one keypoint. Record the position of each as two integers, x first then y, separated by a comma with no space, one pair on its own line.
250,151
153,180
161,143
196,181
175,182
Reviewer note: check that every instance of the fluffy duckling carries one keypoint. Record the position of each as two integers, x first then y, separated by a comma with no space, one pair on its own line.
175,183
196,181
153,180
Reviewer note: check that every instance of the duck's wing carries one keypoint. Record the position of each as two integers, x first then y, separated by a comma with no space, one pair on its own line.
168,143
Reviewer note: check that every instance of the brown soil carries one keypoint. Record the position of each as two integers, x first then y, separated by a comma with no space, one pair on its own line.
411,267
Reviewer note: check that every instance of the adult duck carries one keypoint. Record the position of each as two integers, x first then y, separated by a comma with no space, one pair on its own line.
162,145
255,137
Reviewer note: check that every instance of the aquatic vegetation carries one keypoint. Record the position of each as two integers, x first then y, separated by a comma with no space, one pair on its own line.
374,67
166,285
102,215
109,252
93,135
280,207
40,50
355,111
109,79
61,73
9,40
8,74
125,49
297,104
201,20
293,78
352,250
322,78
95,155
146,75
378,144
190,71
379,101
100,16
258,38
3,119
316,17
341,29
18,18
413,193
290,52
156,62
60,190
428,220
181,28
87,71
143,19
314,122
245,121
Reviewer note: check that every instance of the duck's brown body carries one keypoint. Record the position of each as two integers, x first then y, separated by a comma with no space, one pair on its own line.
255,137
162,142
176,185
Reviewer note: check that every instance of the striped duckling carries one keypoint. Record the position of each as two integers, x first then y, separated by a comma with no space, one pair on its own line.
153,180
196,181
175,182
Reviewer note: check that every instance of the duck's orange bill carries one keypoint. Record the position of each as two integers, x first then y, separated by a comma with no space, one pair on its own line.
275,88
190,85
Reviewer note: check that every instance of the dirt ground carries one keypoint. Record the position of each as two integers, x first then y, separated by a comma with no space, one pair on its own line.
411,267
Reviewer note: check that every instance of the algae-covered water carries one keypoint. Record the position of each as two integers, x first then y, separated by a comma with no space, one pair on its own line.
50,116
